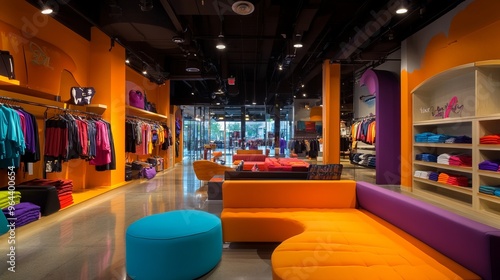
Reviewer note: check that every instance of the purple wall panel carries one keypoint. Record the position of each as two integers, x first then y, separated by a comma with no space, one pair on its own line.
385,86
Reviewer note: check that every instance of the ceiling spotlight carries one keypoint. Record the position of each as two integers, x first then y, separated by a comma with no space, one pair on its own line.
220,43
243,8
192,65
304,94
403,9
127,61
192,93
302,85
46,9
146,5
280,67
254,103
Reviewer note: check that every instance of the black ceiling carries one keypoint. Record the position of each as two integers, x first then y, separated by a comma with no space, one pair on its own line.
356,33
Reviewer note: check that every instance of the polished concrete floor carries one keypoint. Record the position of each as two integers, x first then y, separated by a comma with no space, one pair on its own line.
86,241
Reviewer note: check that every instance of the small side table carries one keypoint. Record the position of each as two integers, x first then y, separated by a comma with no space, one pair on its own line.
215,187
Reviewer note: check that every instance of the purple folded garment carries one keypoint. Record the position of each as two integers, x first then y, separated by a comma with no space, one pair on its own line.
28,218
489,165
21,208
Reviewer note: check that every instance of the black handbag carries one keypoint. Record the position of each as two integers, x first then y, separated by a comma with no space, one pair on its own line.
7,65
82,95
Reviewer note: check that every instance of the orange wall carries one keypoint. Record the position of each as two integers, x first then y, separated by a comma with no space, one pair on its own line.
34,25
474,35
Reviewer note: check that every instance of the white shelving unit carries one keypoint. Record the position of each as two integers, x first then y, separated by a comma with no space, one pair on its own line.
473,90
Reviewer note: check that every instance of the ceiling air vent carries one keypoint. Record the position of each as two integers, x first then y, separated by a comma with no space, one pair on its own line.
243,8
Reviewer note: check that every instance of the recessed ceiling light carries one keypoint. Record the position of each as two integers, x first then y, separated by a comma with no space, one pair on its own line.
243,8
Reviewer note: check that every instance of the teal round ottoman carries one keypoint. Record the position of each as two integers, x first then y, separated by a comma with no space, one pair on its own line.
180,244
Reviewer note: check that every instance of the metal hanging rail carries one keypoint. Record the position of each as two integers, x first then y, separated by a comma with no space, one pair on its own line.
14,100
143,119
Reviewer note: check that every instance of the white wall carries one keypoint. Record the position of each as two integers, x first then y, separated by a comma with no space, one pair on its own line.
362,109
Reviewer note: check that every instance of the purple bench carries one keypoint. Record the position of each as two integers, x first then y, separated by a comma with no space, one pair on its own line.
473,245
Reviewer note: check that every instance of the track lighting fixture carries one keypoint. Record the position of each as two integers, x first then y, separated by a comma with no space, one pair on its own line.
220,42
127,61
297,41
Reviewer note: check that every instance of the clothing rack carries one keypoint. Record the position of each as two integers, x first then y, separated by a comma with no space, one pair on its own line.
66,110
370,116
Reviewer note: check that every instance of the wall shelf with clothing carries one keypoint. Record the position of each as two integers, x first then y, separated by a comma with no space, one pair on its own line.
457,138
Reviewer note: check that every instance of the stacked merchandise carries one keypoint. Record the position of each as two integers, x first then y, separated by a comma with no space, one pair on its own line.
459,139
7,198
434,176
455,180
437,138
64,189
491,190
490,165
490,139
23,213
426,157
367,160
423,137
461,160
422,174
429,137
444,159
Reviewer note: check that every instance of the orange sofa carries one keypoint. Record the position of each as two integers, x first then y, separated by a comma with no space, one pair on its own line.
354,230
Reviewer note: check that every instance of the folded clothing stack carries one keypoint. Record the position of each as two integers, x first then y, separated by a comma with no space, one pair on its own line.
490,139
426,157
64,189
437,138
23,213
7,198
490,165
455,180
491,190
461,160
434,176
423,137
422,174
444,159
459,139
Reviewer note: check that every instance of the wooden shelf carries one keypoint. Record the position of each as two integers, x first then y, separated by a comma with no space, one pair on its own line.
96,108
489,197
443,121
144,114
489,147
491,174
459,189
443,145
444,166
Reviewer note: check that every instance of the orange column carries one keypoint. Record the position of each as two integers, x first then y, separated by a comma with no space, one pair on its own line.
107,76
331,112
406,131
